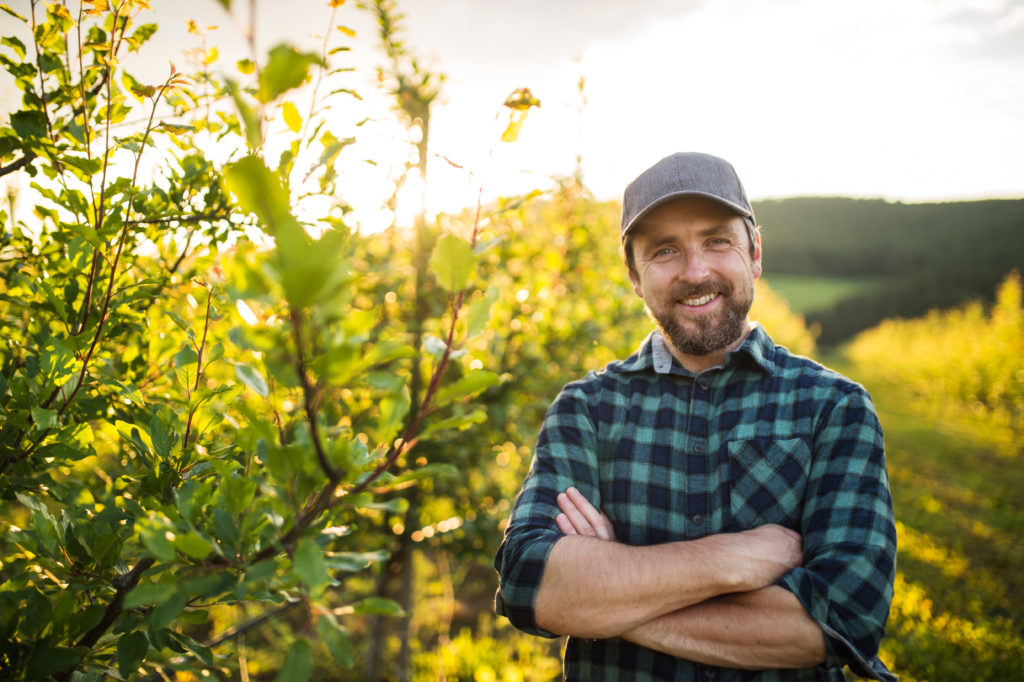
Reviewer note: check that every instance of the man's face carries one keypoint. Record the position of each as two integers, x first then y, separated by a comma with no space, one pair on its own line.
695,272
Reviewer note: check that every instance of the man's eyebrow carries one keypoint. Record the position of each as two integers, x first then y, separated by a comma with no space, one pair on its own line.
655,244
721,228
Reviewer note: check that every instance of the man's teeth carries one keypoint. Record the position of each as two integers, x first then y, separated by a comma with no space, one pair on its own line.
699,301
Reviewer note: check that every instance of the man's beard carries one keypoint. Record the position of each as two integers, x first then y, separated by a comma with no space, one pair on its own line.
714,331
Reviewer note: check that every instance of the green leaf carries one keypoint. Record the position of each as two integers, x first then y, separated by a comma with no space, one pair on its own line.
57,303
32,503
46,530
336,639
261,570
166,611
131,651
186,367
480,312
186,356
252,378
45,419
148,593
130,393
15,44
298,663
459,421
287,68
250,117
225,527
452,262
47,660
393,409
305,270
154,536
515,125
29,124
310,566
201,652
161,437
8,10
378,606
355,561
237,492
292,118
332,147
466,387
396,505
428,471
86,232
193,544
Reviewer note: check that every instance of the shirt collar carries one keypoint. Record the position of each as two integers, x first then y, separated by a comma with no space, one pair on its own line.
654,355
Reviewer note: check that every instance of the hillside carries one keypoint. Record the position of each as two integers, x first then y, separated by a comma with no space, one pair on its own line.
922,256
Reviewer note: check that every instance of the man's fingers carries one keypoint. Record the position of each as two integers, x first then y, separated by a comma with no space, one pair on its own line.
597,521
564,525
574,517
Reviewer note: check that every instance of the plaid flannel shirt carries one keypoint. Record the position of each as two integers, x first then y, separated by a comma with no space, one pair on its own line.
768,437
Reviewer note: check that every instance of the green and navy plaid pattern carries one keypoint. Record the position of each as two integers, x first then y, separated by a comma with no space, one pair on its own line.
769,437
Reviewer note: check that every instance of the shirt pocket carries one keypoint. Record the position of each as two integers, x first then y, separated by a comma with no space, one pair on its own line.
766,482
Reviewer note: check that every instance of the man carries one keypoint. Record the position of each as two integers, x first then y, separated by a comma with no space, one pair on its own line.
713,507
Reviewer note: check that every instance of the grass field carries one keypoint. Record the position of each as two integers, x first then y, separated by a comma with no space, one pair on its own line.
958,612
811,293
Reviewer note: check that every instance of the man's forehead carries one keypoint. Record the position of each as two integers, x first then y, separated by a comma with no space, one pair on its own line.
706,219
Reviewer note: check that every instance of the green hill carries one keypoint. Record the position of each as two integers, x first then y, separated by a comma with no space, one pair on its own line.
911,257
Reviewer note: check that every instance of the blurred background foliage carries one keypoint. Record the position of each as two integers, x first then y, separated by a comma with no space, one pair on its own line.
244,439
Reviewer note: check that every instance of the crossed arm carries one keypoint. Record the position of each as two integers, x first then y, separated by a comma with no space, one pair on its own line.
710,600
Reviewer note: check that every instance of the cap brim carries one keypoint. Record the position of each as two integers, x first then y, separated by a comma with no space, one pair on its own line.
638,218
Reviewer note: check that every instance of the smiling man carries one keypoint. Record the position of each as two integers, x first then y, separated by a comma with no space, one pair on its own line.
712,507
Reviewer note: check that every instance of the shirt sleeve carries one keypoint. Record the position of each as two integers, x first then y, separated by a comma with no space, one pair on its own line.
849,536
565,456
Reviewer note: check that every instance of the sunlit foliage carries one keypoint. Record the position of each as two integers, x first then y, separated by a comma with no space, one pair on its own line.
949,389
951,363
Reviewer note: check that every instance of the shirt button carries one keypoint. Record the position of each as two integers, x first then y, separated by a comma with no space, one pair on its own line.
703,386
699,449
710,673
697,519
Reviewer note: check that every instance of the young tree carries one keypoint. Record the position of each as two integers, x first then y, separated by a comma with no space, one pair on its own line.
205,403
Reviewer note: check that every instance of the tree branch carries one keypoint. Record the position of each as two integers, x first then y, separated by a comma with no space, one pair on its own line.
197,218
15,165
199,367
124,584
309,400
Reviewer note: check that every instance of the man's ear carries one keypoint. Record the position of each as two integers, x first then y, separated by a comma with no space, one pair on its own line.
636,284
756,262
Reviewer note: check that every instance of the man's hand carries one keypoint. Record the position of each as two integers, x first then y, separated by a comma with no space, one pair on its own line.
763,554
594,587
579,517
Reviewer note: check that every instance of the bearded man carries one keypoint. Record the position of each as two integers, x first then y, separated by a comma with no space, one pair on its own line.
713,507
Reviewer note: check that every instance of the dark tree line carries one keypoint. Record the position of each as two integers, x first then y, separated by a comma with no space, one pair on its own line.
933,255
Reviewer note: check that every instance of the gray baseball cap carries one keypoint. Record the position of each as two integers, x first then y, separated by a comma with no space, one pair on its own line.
679,175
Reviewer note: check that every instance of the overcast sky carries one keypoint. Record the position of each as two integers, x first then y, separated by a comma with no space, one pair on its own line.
908,100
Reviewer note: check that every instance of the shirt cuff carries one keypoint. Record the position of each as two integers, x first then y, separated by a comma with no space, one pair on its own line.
839,651
521,567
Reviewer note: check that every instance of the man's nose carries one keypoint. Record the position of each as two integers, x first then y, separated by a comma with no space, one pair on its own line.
695,267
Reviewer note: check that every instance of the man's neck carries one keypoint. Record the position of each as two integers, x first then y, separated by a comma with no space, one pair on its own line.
701,363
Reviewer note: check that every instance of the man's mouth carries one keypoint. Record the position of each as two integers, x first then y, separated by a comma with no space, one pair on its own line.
699,300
